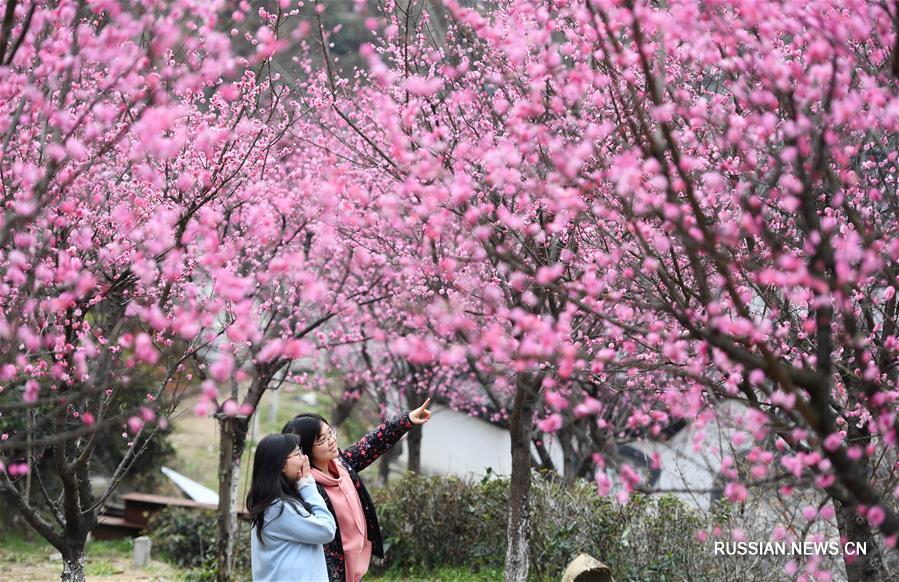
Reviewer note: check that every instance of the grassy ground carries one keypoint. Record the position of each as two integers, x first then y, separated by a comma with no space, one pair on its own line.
440,575
109,561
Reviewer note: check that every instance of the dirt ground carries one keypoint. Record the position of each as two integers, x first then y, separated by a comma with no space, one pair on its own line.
40,565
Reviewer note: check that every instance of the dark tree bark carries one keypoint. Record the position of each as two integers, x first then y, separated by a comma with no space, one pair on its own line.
65,523
413,441
545,461
413,437
344,408
232,441
520,431
855,529
73,562
384,463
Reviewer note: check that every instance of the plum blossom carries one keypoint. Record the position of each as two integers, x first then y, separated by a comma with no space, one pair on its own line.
551,423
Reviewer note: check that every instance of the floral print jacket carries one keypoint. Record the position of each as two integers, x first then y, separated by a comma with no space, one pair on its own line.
354,458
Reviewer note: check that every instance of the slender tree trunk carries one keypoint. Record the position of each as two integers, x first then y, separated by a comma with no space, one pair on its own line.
520,430
73,567
73,557
344,408
413,441
232,440
384,463
413,438
855,530
546,462
77,497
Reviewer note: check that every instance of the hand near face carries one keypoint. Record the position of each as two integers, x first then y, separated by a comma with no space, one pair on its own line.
305,470
421,414
296,466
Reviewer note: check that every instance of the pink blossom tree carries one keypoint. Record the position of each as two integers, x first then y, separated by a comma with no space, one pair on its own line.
294,279
661,207
123,161
686,203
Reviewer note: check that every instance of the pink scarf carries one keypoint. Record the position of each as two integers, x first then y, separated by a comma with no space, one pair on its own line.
350,518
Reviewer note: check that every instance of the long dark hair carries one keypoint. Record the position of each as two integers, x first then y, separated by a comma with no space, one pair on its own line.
269,483
307,426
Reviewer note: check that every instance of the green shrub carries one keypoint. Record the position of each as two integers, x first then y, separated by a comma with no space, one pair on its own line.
187,538
435,527
441,574
568,520
425,521
437,522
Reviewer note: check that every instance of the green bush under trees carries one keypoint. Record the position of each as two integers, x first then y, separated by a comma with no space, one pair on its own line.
433,522
436,527
186,538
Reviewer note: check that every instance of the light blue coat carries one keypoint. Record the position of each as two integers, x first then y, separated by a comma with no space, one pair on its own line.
293,543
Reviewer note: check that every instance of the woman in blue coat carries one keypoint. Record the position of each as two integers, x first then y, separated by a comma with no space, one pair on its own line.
336,475
290,521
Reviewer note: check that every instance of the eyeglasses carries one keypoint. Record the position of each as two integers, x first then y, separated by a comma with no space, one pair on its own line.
324,438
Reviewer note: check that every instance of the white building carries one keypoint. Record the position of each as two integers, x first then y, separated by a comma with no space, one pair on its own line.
455,443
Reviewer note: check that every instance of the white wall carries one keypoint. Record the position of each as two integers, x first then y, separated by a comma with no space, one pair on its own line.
454,443
684,469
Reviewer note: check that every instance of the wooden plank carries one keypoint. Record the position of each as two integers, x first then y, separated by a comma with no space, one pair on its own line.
164,501
111,521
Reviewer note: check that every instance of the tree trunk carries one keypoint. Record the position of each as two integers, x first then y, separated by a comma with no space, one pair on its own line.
546,462
232,440
854,529
413,438
73,565
384,466
520,430
344,407
413,441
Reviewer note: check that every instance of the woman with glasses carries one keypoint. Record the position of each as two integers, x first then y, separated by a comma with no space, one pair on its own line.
336,474
290,520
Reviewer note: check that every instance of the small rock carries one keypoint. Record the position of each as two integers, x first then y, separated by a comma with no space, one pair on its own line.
142,547
586,568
